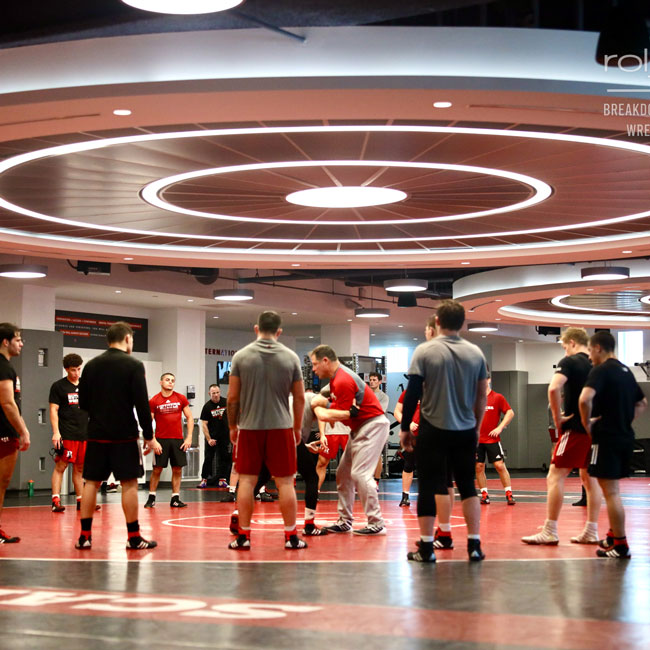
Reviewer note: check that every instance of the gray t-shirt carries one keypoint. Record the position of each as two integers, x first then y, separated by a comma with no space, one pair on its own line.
267,371
384,400
451,368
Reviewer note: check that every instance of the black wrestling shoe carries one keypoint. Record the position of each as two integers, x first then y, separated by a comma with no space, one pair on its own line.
405,502
474,550
139,543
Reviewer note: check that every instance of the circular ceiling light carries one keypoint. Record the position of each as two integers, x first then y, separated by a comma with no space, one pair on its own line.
345,197
121,112
406,284
605,273
236,295
371,312
482,327
183,6
23,271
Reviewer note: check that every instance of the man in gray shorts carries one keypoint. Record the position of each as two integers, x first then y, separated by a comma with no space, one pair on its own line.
262,376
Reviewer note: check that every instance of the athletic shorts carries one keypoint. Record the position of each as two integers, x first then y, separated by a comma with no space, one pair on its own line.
8,446
171,452
123,459
492,450
276,448
611,459
72,451
335,442
572,450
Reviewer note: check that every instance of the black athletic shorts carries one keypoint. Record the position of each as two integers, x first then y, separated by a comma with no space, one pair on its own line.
123,459
610,459
492,450
171,451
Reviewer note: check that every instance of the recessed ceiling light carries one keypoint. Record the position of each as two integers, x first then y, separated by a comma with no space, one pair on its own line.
521,340
465,262
371,312
311,337
345,197
128,259
183,6
442,104
294,264
590,289
605,273
233,294
294,313
349,320
498,300
406,284
482,327
372,335
190,300
483,336
117,291
415,338
22,271
497,319
215,317
626,251
400,326
121,112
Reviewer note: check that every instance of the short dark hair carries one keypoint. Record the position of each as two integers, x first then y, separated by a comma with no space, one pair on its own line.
322,351
374,374
117,332
213,386
72,361
167,373
8,331
269,322
605,340
451,315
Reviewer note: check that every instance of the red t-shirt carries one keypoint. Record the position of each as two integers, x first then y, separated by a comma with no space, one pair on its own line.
496,405
416,415
167,413
346,387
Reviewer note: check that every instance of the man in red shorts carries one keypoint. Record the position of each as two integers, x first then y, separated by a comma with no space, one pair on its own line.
167,409
69,430
354,403
262,376
14,436
574,445
489,443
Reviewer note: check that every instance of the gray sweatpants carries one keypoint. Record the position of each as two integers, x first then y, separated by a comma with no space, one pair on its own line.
357,470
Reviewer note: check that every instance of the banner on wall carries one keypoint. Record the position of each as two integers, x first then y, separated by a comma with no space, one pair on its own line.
81,330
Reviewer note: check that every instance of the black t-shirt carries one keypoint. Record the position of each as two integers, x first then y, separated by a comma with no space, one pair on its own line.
7,372
73,422
216,417
576,369
616,394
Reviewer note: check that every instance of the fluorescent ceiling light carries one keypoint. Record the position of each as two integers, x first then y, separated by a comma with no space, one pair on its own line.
183,6
233,294
406,284
345,197
482,327
23,271
371,312
605,273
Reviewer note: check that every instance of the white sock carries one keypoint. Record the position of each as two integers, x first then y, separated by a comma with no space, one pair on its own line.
591,527
445,528
507,489
551,526
309,514
56,496
473,537
176,494
152,494
426,538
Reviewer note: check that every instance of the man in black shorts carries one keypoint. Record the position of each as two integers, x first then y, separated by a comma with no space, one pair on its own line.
609,402
111,386
14,436
214,424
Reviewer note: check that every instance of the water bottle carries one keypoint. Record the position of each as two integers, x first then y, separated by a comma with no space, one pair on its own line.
30,488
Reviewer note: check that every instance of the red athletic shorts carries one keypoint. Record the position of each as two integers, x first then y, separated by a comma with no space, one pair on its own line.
8,446
276,448
74,451
573,449
335,441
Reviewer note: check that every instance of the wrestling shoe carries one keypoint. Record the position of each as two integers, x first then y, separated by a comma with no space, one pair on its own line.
294,543
203,484
83,542
265,497
311,530
111,487
485,498
585,537
542,538
423,554
151,501
177,503
510,499
443,541
231,497
405,502
619,551
234,523
56,506
369,531
608,542
139,543
242,543
222,483
474,550
5,539
339,527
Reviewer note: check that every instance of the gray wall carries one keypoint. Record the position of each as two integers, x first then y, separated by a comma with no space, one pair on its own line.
36,463
512,385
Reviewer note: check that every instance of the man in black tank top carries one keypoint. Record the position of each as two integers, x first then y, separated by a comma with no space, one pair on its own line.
573,446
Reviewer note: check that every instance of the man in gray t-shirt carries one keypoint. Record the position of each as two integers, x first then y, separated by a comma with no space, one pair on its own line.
449,377
262,425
